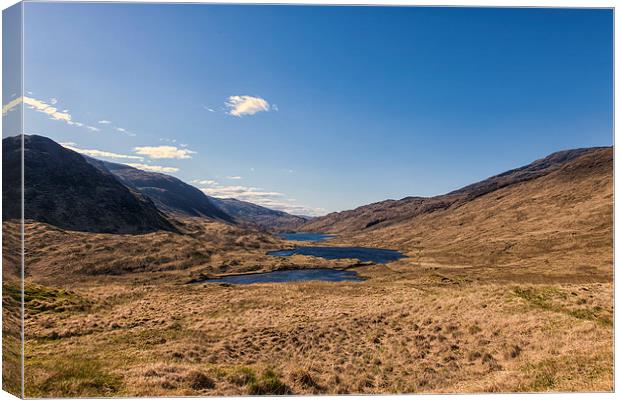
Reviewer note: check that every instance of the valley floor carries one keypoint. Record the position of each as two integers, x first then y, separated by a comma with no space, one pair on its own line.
409,328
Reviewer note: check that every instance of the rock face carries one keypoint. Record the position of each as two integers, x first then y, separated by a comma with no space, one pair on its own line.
260,217
168,193
64,190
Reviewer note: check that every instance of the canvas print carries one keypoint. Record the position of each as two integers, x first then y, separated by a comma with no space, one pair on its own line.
228,199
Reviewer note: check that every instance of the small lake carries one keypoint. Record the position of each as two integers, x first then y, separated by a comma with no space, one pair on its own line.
295,275
379,256
305,236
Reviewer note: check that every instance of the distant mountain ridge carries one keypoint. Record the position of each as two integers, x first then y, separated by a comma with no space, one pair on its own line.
175,196
167,192
262,217
64,190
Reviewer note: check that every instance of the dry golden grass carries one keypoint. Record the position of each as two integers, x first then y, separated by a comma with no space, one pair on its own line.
54,253
11,311
409,328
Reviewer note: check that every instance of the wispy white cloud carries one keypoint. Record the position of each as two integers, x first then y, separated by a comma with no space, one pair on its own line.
38,105
294,209
234,177
208,182
164,152
208,108
116,156
240,192
265,198
99,153
11,105
54,113
153,168
43,107
123,130
239,106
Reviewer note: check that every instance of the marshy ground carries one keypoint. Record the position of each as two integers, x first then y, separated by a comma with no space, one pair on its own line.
411,327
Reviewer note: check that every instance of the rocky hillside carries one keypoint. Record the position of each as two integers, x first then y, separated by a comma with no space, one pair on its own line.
177,197
64,190
167,192
557,208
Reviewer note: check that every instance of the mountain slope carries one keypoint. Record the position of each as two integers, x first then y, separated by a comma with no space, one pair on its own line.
63,190
557,210
262,217
168,193
391,211
173,195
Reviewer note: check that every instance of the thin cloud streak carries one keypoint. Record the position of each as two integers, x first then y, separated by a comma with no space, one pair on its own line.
209,182
153,168
99,153
38,105
157,152
259,196
54,113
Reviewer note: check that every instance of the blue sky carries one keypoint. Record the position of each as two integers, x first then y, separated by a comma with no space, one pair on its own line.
319,109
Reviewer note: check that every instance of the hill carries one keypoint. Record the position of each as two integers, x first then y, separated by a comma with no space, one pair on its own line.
555,210
167,192
175,196
63,190
261,217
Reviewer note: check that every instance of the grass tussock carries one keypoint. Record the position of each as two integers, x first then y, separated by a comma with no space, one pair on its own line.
198,380
242,376
554,374
41,299
268,383
554,300
75,377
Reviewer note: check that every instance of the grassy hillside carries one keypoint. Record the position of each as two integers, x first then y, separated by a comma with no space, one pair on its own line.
555,214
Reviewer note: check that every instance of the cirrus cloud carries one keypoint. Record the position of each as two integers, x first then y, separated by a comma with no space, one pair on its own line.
153,168
99,153
53,112
164,152
256,195
239,106
38,105
208,182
